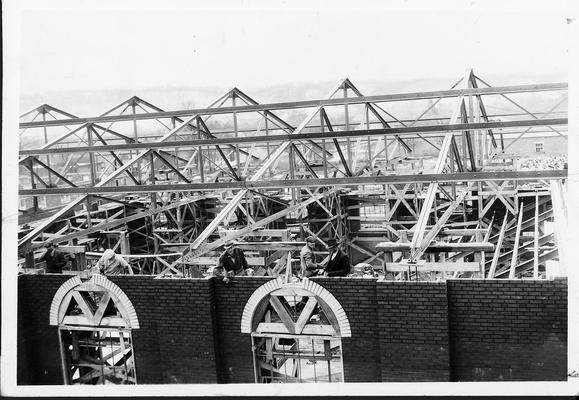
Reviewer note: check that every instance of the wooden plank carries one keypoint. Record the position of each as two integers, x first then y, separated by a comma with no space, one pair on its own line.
262,233
310,329
451,232
514,259
435,267
438,246
560,224
270,246
252,261
528,265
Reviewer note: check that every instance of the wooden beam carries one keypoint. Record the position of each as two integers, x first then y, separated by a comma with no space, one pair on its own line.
515,260
438,246
417,253
435,267
305,315
310,329
288,323
114,223
218,243
252,261
270,246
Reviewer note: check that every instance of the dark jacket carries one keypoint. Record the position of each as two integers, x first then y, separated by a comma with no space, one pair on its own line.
234,262
339,266
54,262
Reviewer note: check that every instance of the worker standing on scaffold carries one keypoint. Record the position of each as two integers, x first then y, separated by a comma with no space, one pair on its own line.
309,267
112,264
232,262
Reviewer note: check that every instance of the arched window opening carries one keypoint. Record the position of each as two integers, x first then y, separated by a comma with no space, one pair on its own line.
296,333
95,320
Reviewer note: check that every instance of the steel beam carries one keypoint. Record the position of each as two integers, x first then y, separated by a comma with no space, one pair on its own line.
289,183
305,136
309,103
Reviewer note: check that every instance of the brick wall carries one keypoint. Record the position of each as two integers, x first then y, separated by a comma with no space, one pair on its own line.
37,341
235,355
413,331
401,331
360,353
508,330
176,340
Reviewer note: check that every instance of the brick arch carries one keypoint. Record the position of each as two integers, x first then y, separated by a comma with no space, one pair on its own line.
315,289
121,300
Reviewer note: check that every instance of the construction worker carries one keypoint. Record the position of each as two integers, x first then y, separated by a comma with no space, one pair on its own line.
112,264
232,262
307,259
338,263
54,259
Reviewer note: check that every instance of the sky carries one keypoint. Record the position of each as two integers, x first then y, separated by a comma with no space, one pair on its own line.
133,45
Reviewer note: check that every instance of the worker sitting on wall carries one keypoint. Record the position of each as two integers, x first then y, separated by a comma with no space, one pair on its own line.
338,263
232,262
309,267
112,264
55,259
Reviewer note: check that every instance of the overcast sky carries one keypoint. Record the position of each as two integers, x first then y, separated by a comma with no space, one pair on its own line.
86,44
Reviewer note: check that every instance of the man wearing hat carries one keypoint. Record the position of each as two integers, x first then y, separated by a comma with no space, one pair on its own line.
232,261
338,262
307,258
55,260
111,263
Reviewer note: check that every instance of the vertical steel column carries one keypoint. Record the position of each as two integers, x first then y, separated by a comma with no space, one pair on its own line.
33,185
175,140
292,173
91,157
153,201
46,142
266,127
233,97
347,121
136,135
324,155
200,154
367,116
469,118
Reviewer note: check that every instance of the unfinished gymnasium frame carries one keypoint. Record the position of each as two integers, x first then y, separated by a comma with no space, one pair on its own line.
348,168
